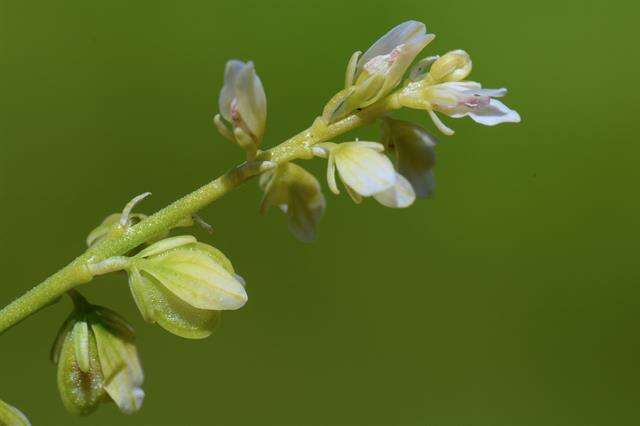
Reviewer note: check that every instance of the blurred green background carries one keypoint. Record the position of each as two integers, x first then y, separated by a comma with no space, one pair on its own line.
510,299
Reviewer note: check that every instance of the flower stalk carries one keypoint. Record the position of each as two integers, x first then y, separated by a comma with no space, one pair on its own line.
79,271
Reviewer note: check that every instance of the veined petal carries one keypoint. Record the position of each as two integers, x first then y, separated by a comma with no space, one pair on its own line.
398,196
158,305
123,376
80,334
494,113
400,34
228,92
364,169
252,101
166,245
196,278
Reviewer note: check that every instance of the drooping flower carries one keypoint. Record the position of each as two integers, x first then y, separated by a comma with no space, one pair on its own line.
372,75
243,104
183,285
365,172
414,151
298,194
11,416
97,361
442,89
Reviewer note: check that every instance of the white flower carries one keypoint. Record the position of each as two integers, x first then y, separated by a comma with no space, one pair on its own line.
365,172
243,102
372,75
298,194
441,89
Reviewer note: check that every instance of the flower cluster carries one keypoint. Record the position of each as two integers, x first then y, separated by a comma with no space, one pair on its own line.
183,285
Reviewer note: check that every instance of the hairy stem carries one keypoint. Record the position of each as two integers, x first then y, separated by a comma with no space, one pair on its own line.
79,270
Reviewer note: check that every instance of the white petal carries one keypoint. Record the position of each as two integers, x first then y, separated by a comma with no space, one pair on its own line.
398,35
252,101
399,196
494,113
365,170
493,93
228,92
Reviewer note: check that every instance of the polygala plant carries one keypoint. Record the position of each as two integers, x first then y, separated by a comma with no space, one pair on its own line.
183,285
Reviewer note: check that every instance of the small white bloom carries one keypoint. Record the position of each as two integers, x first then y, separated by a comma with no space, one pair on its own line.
441,89
242,101
362,166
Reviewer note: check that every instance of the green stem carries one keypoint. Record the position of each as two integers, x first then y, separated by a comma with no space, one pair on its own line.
79,271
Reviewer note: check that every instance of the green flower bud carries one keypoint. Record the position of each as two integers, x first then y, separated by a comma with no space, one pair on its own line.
182,285
298,194
453,66
97,361
11,416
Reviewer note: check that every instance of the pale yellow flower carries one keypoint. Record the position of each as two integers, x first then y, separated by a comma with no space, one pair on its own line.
183,285
365,172
374,74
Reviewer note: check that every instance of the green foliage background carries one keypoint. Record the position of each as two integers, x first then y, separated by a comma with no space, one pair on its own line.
510,299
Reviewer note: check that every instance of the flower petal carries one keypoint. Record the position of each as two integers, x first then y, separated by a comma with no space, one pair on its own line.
494,113
365,170
252,101
194,276
166,245
399,196
228,92
398,35
158,305
123,376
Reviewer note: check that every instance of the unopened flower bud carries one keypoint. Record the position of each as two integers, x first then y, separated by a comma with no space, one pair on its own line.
298,194
453,66
11,416
97,361
183,285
